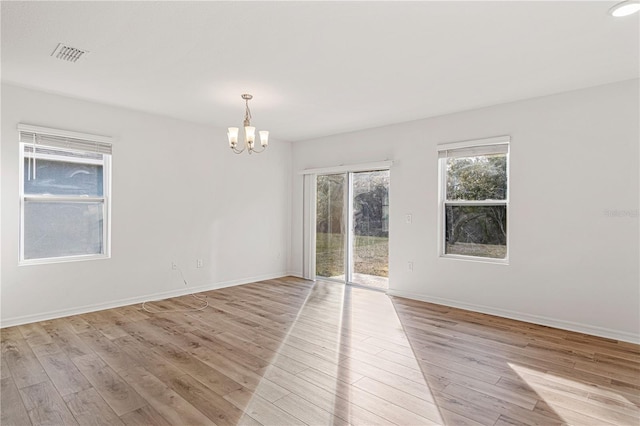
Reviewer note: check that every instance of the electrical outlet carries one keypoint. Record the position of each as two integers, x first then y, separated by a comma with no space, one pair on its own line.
408,218
174,265
410,266
199,263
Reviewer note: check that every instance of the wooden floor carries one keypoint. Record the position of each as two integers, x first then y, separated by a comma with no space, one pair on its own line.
290,352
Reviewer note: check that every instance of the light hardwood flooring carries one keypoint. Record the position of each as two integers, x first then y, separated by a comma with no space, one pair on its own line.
291,352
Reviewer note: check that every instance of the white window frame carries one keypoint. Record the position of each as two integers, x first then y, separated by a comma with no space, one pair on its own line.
472,147
71,142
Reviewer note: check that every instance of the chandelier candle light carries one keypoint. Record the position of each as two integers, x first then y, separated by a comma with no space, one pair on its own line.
626,8
249,133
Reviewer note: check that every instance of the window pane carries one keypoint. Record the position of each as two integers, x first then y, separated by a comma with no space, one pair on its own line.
371,228
57,229
330,226
477,178
476,231
60,173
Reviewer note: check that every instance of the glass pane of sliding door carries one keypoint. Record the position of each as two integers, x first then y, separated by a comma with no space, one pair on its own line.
352,228
370,229
331,226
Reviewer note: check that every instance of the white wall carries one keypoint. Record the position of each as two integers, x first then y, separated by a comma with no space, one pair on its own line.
179,194
573,157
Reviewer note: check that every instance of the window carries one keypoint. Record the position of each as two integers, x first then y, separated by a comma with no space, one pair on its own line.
474,199
64,192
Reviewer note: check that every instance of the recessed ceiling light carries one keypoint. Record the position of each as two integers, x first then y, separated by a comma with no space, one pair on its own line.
625,8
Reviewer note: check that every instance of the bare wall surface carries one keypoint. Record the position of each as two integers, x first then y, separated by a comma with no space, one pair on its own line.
573,220
178,194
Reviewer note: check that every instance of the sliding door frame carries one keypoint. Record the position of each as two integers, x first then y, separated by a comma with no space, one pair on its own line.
309,215
348,252
310,185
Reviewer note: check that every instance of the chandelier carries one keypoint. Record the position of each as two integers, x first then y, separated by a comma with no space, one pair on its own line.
249,133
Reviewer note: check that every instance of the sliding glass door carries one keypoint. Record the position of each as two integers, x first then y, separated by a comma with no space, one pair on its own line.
352,227
331,225
370,228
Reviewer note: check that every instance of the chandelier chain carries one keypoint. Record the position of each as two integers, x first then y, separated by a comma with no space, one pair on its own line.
247,113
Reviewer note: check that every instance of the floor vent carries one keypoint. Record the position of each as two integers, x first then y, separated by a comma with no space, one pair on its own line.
68,53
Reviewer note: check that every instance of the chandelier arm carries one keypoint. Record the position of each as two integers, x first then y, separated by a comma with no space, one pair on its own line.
258,152
238,151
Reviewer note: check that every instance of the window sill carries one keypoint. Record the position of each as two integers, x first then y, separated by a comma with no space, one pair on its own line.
474,259
53,260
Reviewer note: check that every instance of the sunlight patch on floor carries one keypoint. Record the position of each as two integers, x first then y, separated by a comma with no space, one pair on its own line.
345,337
573,401
366,280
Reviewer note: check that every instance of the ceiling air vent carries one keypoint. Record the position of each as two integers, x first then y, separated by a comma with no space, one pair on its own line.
68,53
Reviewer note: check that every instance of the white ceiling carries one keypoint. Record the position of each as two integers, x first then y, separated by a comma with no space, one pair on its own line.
316,68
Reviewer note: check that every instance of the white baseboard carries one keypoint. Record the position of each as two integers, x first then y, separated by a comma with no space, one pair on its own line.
26,319
295,274
521,316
